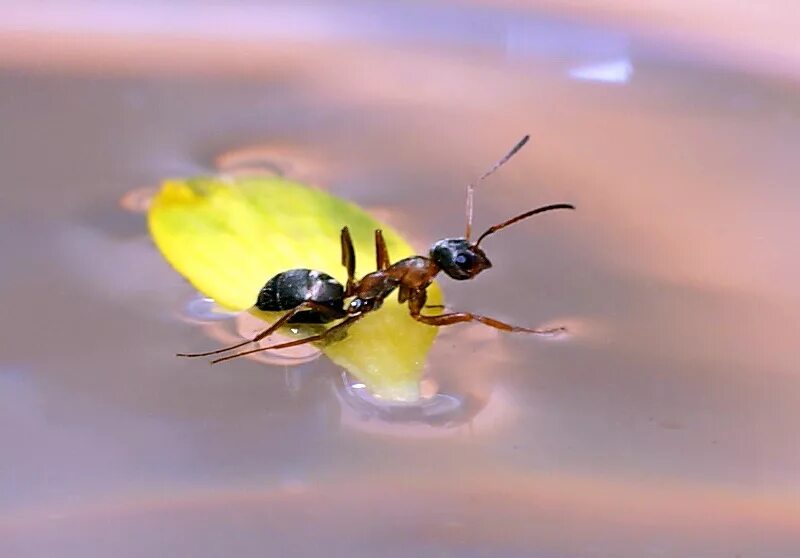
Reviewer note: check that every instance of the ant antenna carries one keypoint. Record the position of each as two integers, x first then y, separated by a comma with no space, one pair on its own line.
495,228
497,165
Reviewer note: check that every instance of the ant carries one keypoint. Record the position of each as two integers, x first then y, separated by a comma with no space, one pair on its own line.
312,297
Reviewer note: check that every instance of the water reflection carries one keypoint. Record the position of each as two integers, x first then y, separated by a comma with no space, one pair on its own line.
560,514
614,71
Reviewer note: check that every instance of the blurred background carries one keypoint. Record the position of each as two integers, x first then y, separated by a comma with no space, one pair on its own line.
664,426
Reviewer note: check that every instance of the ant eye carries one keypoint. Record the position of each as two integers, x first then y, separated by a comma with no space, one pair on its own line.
464,259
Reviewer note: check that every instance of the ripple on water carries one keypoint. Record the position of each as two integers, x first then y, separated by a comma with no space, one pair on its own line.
230,328
276,159
433,408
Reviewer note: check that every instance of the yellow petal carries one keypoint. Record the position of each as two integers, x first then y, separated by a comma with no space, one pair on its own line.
229,236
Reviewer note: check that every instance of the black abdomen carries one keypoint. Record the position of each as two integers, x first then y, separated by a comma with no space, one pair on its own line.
291,288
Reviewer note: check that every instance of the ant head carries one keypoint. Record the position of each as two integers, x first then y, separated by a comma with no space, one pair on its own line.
458,258
461,259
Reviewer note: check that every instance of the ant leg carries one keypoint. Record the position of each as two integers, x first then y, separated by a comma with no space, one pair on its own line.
381,252
416,304
348,261
332,332
404,294
457,317
308,305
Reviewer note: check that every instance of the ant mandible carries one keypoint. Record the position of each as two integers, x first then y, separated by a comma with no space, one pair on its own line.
312,297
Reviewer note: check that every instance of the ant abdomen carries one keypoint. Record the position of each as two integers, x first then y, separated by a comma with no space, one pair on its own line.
290,289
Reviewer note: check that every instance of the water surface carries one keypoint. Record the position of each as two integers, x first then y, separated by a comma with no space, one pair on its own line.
665,426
